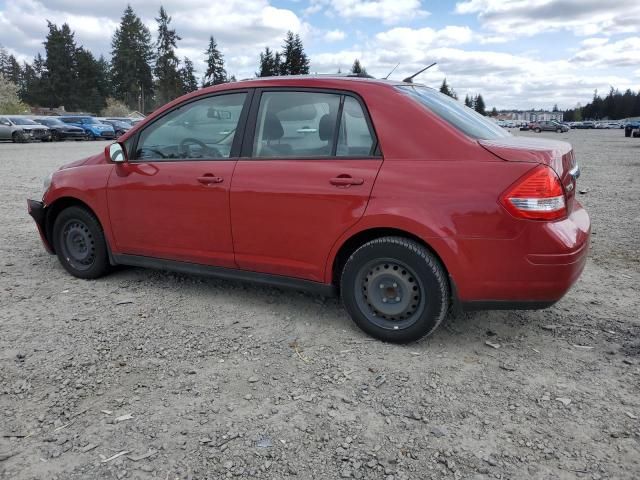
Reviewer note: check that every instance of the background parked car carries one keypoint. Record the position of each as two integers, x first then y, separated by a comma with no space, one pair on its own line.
120,126
548,126
21,129
586,125
60,130
93,127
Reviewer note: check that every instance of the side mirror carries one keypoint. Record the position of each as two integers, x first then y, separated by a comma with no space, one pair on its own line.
115,153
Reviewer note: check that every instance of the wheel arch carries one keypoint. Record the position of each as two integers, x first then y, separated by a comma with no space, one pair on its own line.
60,204
357,239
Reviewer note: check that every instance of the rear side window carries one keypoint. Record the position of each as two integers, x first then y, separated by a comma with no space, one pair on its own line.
296,124
463,118
306,124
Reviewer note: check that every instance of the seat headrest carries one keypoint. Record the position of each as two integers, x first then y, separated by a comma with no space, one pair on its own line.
272,127
326,127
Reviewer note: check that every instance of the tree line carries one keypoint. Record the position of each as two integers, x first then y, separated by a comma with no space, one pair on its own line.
614,106
141,74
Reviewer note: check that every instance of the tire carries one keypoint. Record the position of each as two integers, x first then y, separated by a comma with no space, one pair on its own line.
79,242
18,137
537,130
91,137
559,130
381,281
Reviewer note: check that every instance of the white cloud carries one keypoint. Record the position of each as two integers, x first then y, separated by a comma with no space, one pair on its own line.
505,80
334,35
531,17
389,12
599,52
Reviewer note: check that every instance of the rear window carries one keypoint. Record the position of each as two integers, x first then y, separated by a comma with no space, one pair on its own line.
463,118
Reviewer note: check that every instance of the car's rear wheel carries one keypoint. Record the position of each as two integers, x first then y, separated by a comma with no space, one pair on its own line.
537,130
395,289
558,130
79,243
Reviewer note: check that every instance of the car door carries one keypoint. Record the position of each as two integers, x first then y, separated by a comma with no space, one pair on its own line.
170,200
5,129
308,165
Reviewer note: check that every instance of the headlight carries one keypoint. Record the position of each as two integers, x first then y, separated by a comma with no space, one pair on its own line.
47,183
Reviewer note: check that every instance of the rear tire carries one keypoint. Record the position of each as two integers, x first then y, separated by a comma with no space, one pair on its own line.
395,290
559,130
537,130
79,242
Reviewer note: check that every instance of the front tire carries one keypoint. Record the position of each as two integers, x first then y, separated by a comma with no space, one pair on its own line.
537,130
395,289
79,242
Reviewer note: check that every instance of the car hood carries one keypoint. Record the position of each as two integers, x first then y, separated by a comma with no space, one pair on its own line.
33,127
93,160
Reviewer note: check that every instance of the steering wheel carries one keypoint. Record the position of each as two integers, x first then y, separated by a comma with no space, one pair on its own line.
212,152
152,150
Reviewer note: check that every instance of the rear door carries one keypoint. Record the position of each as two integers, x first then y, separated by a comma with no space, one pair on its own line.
308,165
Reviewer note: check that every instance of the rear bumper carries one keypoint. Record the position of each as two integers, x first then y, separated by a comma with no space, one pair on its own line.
532,271
38,212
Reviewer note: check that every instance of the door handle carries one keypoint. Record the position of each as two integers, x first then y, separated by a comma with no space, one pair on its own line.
345,181
209,179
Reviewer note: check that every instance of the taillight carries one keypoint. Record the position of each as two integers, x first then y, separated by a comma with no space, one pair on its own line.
538,195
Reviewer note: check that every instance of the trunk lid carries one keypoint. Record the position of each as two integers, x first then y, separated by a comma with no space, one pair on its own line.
553,153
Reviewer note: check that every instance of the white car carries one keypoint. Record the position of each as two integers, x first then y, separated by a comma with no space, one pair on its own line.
22,129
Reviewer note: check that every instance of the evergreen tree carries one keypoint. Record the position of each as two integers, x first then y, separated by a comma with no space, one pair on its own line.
215,73
358,69
89,86
13,71
468,101
447,90
494,112
479,106
131,57
4,60
294,60
168,78
34,82
62,67
268,66
104,77
188,76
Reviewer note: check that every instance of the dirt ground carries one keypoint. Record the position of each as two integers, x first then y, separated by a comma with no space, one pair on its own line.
201,379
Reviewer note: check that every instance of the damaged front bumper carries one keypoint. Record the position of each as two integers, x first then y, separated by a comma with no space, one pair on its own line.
38,212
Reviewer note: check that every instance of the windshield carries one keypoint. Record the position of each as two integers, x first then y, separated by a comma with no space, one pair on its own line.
22,121
50,121
90,121
463,118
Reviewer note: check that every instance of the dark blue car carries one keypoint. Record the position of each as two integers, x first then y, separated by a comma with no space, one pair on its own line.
93,127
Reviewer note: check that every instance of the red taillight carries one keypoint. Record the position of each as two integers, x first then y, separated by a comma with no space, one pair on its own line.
538,195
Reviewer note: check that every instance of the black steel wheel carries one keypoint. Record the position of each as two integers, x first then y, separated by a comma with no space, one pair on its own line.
395,289
79,243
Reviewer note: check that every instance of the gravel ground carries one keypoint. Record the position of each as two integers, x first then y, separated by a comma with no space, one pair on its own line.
191,378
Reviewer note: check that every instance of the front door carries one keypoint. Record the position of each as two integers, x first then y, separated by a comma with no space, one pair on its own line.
5,129
311,167
171,199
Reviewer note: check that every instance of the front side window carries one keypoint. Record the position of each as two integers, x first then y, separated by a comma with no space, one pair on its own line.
203,129
296,124
463,118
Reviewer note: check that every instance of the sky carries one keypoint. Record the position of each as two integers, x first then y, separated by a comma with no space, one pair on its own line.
517,53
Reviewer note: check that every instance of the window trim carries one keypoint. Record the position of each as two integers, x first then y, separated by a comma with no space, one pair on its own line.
237,139
246,152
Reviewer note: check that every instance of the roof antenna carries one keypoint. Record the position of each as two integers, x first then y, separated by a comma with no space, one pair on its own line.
393,70
410,79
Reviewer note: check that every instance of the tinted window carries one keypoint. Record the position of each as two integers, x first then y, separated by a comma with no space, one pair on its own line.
463,118
355,137
296,124
198,130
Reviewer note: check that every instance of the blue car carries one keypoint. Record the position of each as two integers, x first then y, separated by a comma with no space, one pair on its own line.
94,128
632,128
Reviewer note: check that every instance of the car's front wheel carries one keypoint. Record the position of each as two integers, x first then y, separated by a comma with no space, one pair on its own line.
79,243
538,130
395,289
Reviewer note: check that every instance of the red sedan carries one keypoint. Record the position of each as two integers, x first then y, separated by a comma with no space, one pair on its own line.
398,198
